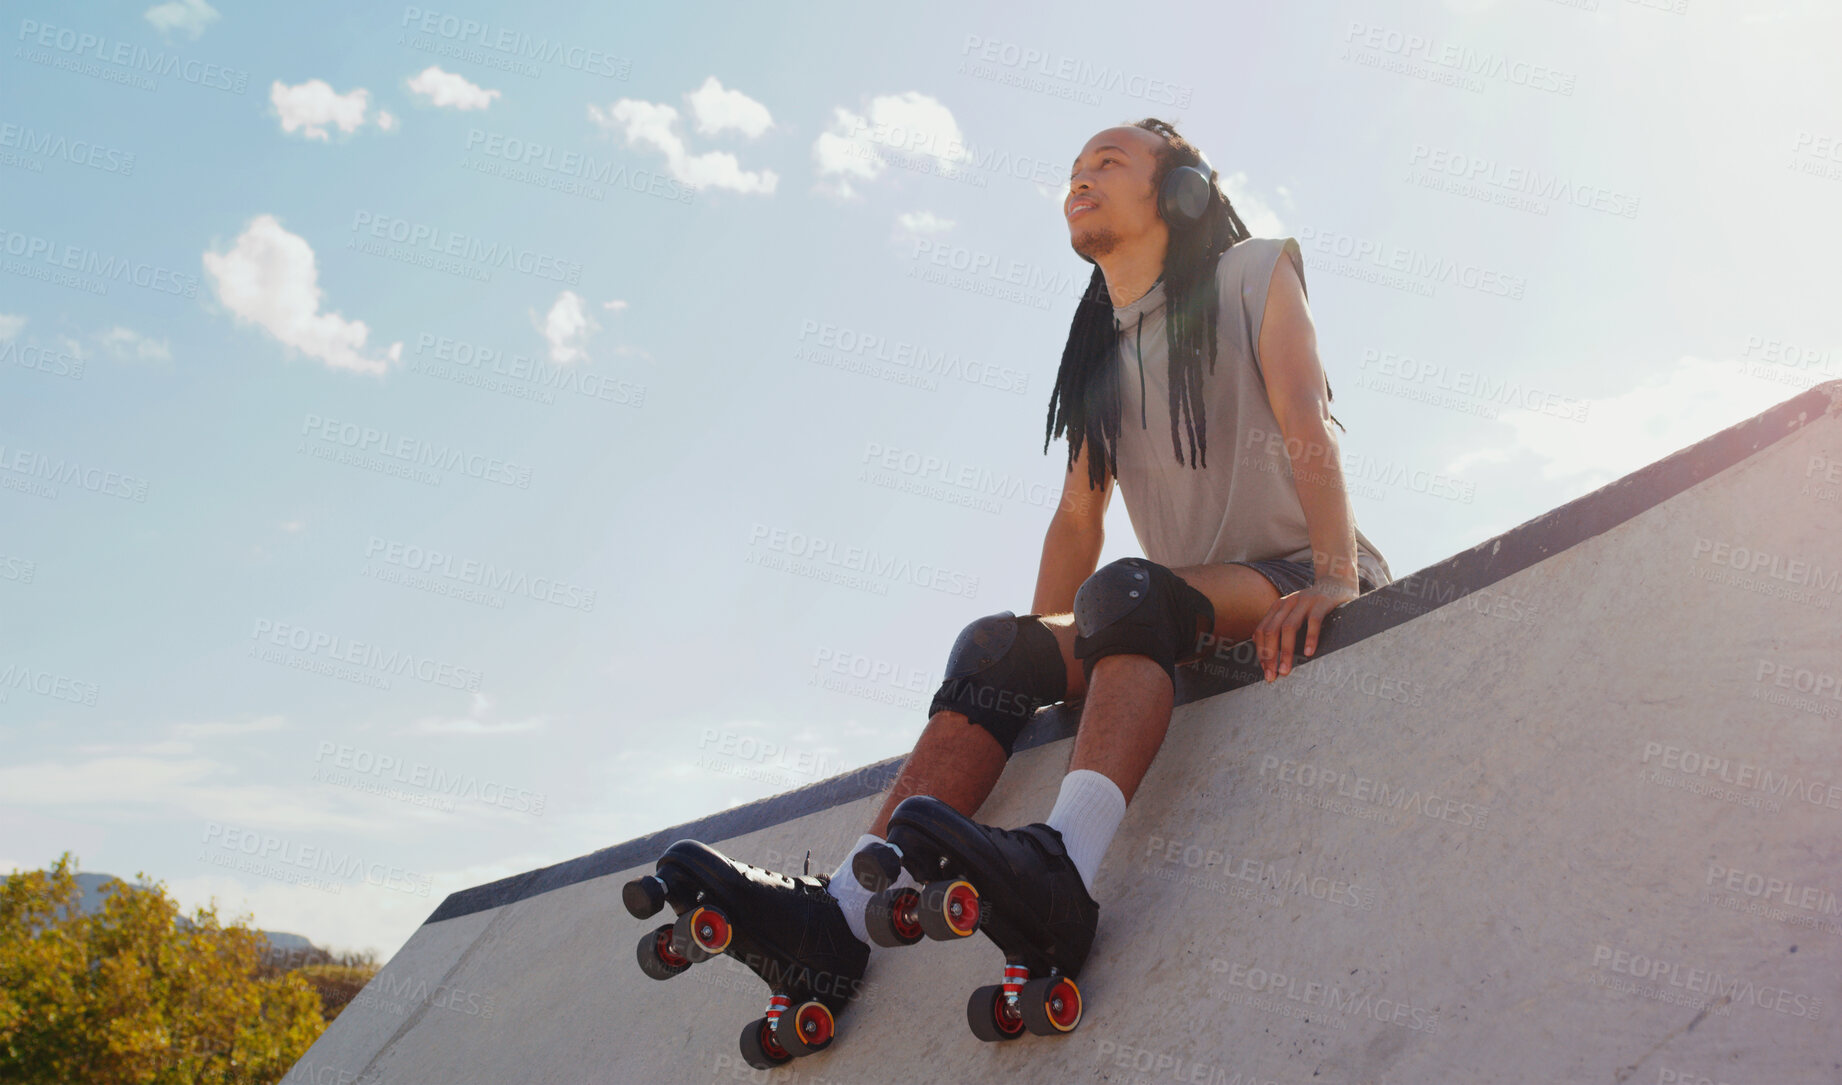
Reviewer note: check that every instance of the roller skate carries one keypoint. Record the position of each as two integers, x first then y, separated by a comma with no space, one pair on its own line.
1018,886
786,929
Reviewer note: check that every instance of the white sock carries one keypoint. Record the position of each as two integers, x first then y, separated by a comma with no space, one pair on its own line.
1087,814
854,898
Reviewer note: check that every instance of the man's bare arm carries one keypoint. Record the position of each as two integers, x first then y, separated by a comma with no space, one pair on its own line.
1288,359
1077,531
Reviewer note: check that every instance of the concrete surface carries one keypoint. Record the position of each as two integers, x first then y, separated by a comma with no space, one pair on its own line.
1565,808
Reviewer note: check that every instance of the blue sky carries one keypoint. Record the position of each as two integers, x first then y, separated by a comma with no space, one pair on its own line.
440,442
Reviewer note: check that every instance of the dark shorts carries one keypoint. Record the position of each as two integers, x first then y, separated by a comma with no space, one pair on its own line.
1291,576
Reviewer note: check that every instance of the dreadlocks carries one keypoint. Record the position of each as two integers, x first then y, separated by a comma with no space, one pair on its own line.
1085,402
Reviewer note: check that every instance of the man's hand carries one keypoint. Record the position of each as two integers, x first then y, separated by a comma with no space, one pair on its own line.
1277,633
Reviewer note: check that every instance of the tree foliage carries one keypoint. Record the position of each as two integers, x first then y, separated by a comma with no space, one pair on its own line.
139,993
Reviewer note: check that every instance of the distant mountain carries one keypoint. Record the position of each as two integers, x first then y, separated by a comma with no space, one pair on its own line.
281,944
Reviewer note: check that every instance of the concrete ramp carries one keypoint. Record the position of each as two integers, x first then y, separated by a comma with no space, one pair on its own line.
1566,807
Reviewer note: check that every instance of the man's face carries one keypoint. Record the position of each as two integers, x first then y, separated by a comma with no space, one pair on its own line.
1110,200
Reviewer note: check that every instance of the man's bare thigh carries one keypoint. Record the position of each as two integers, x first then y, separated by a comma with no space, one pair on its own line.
1241,597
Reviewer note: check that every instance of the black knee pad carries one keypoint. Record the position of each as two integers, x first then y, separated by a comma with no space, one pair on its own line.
1138,607
1000,671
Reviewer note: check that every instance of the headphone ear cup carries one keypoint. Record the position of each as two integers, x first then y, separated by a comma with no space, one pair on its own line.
1184,196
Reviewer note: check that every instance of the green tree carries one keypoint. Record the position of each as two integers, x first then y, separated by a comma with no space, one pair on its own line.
139,993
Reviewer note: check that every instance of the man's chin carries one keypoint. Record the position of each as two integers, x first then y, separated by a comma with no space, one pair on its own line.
1094,244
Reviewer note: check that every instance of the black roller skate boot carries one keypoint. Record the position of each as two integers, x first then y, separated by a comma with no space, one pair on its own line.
787,929
1016,885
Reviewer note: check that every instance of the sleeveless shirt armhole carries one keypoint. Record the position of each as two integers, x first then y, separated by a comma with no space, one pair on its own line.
1257,282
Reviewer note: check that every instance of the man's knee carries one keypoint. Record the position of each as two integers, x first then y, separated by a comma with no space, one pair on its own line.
1136,606
1001,670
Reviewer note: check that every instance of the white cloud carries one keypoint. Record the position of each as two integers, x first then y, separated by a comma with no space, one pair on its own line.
655,125
911,225
215,729
910,123
270,278
718,110
190,16
1668,410
1256,213
128,345
615,304
567,327
447,89
10,325
191,786
313,106
386,120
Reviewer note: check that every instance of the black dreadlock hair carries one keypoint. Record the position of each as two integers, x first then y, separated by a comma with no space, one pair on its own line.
1085,402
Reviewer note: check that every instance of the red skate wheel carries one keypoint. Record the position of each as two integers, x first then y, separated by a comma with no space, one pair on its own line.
657,958
991,1017
759,1047
1051,1006
805,1028
710,930
949,909
891,917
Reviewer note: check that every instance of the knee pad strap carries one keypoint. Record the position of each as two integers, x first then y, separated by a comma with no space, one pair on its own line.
1000,671
1136,606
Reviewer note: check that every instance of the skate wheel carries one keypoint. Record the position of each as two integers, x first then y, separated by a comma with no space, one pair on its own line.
991,1017
684,943
1051,1006
710,930
891,917
876,866
657,958
759,1047
949,909
643,896
805,1028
